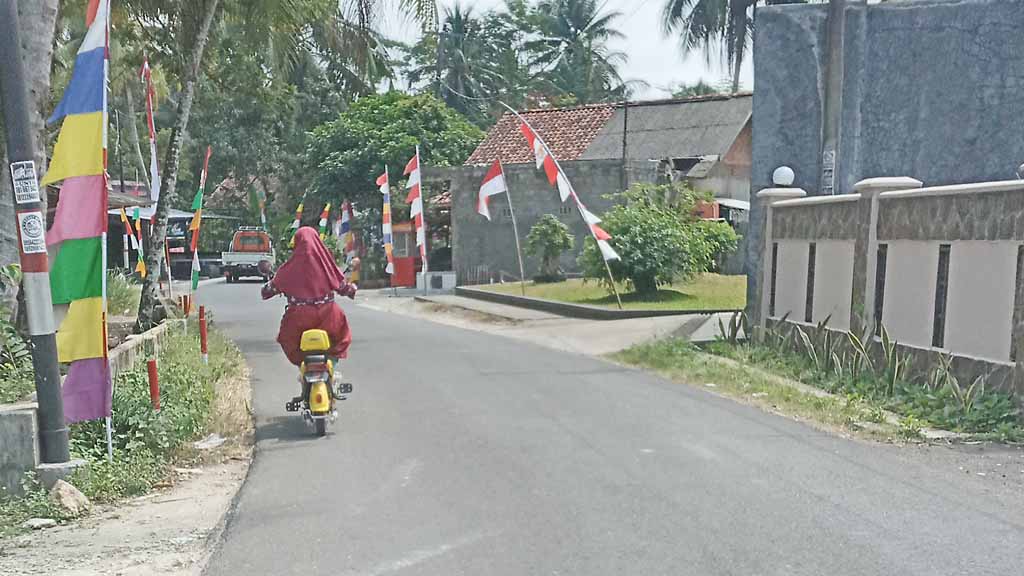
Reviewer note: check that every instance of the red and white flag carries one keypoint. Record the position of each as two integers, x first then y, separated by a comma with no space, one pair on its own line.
599,234
558,178
543,156
494,184
415,201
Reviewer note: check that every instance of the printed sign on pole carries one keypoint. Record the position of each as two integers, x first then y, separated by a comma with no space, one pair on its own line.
32,230
26,185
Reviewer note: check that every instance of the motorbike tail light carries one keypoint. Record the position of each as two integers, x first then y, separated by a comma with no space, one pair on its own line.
319,398
317,367
317,376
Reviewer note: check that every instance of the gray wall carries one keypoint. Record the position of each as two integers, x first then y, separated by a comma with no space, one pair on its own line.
933,89
477,242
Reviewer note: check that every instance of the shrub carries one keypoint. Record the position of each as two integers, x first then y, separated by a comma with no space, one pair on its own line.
658,237
721,240
548,238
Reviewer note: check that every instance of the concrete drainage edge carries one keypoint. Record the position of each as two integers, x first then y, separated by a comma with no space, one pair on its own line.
576,310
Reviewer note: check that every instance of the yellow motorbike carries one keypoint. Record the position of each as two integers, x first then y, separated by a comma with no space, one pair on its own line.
317,375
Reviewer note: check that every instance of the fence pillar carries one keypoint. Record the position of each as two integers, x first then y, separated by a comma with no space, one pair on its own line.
865,254
769,196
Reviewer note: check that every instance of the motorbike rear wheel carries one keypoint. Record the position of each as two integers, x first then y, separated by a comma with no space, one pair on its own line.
321,426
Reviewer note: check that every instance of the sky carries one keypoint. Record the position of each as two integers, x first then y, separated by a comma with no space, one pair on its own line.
653,58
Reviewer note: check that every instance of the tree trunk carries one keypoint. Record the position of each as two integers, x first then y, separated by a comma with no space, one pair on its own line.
645,285
38,20
158,232
133,135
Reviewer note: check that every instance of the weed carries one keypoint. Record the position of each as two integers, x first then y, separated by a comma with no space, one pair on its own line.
910,428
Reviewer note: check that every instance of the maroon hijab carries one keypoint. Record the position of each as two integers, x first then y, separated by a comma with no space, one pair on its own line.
311,272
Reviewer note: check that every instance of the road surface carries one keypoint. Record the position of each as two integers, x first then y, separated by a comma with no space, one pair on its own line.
467,453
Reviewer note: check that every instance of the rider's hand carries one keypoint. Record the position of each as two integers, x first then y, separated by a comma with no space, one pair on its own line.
350,291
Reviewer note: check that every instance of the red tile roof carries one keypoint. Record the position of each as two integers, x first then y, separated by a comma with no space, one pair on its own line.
567,131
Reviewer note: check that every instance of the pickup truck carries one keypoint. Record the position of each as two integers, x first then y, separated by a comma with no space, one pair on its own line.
250,247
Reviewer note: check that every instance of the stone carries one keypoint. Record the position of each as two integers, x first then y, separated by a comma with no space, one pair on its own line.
39,523
69,499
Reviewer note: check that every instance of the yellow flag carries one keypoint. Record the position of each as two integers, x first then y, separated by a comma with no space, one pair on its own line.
81,334
79,149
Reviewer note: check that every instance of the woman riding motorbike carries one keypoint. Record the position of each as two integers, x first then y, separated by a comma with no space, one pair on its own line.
310,279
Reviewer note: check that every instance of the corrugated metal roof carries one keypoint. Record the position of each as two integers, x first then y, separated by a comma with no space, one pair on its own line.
673,128
567,131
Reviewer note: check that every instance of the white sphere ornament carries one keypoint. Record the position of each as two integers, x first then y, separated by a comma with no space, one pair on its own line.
783,176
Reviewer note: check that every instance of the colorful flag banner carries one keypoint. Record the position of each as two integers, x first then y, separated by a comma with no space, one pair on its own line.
154,165
197,201
416,205
78,235
296,223
128,233
140,266
385,189
195,270
345,232
324,217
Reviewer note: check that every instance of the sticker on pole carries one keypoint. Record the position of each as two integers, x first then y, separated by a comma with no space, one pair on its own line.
33,232
26,185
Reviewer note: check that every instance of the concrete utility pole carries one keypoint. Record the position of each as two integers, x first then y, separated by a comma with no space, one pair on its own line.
833,105
31,225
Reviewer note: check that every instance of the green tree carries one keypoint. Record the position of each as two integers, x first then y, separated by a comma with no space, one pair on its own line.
573,50
548,239
346,156
695,90
716,27
657,235
452,63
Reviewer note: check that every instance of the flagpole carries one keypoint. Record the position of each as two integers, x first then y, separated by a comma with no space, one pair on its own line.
607,267
515,230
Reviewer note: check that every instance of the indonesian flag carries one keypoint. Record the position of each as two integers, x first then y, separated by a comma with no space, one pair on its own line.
415,201
543,155
154,165
599,234
494,184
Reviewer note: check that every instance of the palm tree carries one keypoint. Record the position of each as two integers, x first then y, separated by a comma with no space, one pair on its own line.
454,63
722,27
294,26
573,50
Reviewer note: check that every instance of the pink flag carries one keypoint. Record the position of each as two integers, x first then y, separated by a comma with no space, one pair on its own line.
81,210
494,183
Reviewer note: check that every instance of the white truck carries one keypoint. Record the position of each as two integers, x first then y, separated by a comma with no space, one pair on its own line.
251,255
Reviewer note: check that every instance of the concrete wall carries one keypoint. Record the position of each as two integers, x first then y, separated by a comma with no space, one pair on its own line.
941,269
481,248
19,445
932,88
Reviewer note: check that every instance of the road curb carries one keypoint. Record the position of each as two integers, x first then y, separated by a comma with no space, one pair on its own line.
576,310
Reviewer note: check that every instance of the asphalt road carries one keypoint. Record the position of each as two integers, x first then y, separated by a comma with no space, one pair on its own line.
462,453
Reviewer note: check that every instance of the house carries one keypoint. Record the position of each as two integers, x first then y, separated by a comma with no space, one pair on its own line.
603,148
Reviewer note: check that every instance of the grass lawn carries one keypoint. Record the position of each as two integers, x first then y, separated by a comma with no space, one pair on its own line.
707,292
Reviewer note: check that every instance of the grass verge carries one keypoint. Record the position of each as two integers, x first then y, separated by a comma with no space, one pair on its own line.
682,361
791,384
196,399
706,292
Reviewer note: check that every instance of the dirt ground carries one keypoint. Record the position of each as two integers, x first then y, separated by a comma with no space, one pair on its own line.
168,532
